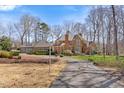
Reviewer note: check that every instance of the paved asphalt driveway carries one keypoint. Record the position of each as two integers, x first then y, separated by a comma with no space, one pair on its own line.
85,75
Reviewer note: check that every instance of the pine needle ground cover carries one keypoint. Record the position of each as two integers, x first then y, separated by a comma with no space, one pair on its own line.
29,75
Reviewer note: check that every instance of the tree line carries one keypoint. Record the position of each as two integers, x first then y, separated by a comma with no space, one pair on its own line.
104,25
106,29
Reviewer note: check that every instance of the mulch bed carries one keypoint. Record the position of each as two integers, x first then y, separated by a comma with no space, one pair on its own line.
40,60
6,60
29,60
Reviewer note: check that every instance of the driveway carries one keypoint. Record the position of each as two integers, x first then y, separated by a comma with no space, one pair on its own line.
83,74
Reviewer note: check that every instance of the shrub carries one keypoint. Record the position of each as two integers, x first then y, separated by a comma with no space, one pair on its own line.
93,52
5,43
0,47
41,52
67,53
5,54
61,55
15,52
30,52
18,48
53,53
19,57
90,59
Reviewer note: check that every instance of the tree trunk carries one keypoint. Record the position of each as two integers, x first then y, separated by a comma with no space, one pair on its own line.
22,41
115,33
108,45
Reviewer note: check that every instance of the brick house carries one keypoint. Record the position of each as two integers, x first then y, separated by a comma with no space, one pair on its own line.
68,42
75,44
64,43
79,44
41,45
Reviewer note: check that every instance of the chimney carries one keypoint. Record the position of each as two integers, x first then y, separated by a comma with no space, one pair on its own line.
67,36
67,39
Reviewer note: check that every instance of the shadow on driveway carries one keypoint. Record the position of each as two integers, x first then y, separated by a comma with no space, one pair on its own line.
85,75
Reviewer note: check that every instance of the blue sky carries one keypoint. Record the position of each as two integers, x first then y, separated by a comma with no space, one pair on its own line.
51,14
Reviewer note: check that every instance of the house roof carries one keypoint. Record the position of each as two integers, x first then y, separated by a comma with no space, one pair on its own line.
80,37
41,44
25,46
70,37
62,44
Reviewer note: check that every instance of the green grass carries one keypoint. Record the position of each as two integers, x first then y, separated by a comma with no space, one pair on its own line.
109,61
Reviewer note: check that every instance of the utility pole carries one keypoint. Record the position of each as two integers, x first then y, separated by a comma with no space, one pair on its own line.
49,58
50,54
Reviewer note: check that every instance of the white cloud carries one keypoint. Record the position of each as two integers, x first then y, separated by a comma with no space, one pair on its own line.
7,7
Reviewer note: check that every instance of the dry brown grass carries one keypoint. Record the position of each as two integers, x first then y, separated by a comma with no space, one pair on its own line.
29,75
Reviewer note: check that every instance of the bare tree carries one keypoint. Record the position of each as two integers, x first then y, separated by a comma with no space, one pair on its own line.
2,30
69,26
57,31
115,32
92,18
10,30
25,27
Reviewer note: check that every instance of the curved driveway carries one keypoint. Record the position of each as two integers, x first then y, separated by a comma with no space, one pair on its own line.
84,74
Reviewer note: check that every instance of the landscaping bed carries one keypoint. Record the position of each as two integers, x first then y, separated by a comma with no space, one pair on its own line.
7,61
25,58
41,60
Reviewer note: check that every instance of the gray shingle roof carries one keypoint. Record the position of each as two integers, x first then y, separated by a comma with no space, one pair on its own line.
80,37
41,44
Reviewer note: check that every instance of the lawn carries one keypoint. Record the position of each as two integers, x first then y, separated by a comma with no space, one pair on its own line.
109,61
29,75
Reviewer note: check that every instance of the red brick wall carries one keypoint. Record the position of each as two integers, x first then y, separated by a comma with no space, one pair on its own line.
66,41
58,49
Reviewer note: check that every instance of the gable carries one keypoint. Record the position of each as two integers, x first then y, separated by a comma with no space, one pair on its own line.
80,38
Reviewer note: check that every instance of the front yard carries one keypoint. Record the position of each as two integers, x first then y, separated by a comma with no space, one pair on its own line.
29,74
99,60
